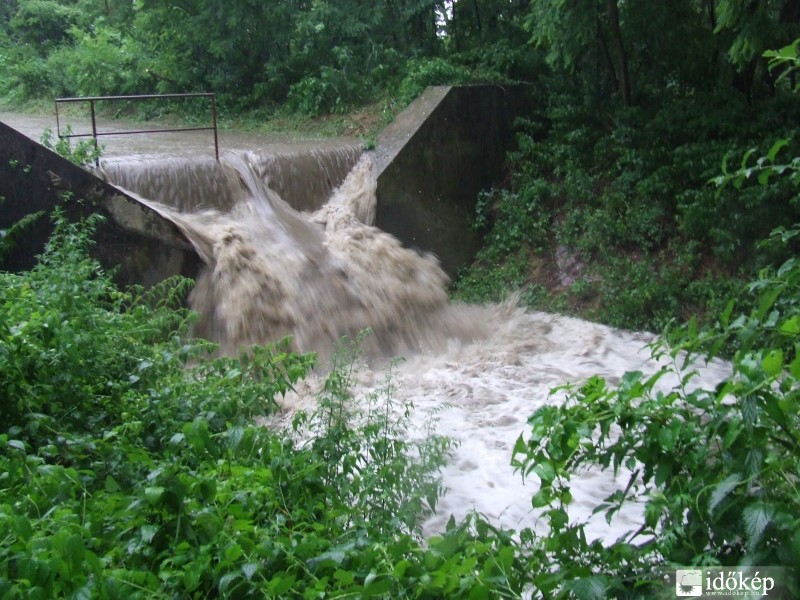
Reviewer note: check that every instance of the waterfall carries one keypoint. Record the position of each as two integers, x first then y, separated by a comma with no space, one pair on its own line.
272,270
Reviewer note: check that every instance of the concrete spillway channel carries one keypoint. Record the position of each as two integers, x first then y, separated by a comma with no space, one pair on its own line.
430,164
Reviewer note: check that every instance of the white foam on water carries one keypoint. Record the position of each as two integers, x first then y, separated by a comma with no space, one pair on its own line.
482,370
482,394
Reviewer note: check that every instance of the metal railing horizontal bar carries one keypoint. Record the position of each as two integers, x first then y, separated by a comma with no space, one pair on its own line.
95,134
126,132
137,97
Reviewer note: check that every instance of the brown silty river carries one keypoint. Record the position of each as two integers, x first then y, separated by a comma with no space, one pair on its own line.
318,270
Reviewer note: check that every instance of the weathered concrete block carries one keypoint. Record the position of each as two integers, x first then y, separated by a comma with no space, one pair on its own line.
144,247
435,158
430,163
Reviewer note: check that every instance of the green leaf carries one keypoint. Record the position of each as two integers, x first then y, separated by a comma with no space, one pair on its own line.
377,586
667,438
776,147
663,472
154,494
791,326
746,157
773,408
722,490
756,518
794,367
589,588
226,581
18,444
772,363
233,552
479,592
726,314
148,532
347,577
545,471
111,485
281,584
768,298
249,569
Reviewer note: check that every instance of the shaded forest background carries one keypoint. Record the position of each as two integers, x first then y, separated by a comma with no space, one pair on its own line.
607,212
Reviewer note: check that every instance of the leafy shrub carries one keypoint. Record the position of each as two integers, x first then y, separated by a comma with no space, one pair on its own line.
82,153
628,193
23,72
710,465
333,90
132,466
41,23
367,451
99,63
423,72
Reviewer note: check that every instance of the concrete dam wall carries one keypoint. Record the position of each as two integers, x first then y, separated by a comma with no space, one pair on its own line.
433,160
430,164
140,244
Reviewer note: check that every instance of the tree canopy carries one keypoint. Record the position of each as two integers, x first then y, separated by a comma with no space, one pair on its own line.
328,55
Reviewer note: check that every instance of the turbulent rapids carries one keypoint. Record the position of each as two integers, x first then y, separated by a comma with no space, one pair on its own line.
272,271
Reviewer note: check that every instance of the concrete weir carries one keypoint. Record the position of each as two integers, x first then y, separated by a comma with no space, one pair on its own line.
433,160
143,247
430,165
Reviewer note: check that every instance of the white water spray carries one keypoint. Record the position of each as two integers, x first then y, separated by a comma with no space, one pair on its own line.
272,271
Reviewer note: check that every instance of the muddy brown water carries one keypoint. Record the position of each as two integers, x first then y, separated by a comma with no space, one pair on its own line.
183,143
320,273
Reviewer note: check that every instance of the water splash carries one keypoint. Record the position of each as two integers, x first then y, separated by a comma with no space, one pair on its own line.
272,271
303,177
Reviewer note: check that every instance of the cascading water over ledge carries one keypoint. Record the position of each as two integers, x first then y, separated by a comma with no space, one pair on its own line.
271,271
318,272
305,179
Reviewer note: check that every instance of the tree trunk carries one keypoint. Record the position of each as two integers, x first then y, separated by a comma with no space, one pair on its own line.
616,32
607,55
477,15
712,15
790,12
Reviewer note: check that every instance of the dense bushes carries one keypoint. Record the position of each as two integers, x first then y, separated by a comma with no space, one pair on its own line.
629,195
308,58
132,467
714,468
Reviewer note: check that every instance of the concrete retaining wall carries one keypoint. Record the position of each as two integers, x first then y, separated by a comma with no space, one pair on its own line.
144,247
435,158
431,163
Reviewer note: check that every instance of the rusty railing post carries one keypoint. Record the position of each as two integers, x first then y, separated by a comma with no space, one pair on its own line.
94,134
58,121
214,119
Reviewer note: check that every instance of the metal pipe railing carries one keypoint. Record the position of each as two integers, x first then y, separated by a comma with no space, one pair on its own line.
95,134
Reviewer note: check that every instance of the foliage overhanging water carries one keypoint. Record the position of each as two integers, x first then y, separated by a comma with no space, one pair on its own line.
272,271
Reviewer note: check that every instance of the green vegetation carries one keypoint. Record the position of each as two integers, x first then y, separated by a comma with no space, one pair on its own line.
82,153
312,58
636,207
658,152
715,469
132,466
